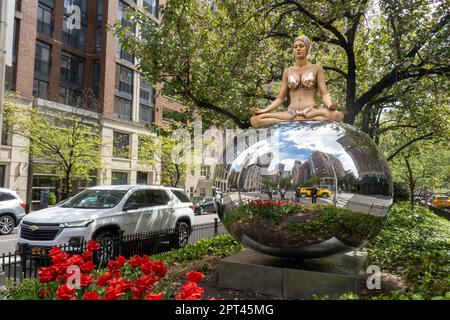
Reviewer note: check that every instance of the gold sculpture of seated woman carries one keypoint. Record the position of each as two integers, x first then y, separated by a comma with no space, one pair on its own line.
301,82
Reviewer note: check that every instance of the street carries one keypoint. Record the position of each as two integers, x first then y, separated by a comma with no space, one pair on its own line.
8,242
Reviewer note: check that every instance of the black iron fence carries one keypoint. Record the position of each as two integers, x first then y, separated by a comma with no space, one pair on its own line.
26,261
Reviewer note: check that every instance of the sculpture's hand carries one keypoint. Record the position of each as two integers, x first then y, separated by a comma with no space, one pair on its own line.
333,106
257,111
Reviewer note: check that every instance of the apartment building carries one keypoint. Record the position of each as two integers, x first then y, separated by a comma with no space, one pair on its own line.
56,61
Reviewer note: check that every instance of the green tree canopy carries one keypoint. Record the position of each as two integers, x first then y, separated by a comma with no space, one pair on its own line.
226,60
69,141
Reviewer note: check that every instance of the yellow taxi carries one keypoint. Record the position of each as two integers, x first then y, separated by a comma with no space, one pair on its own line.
441,201
321,192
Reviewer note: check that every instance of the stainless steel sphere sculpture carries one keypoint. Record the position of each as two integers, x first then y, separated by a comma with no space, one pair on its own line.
304,189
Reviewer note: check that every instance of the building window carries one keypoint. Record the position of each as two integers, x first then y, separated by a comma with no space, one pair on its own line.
98,39
141,177
18,6
124,79
40,89
146,114
147,94
202,192
44,18
121,145
122,108
118,178
72,70
72,36
96,78
152,7
42,59
205,171
120,53
99,11
70,97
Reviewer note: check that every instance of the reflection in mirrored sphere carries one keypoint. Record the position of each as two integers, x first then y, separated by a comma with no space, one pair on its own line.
304,189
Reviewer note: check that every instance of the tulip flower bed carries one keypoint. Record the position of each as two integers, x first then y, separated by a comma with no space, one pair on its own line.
136,278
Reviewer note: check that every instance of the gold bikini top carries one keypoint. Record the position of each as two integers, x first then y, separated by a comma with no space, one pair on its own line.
307,81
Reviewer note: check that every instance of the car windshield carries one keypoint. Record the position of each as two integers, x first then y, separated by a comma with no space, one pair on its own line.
96,199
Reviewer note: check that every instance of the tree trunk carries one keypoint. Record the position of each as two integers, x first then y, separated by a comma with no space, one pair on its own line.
350,113
411,182
68,183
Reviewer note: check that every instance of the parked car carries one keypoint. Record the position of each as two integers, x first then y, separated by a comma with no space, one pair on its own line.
440,201
99,213
207,205
321,192
12,210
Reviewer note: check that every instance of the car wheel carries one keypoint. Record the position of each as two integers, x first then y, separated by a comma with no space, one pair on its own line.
108,248
325,195
7,224
202,211
181,236
302,194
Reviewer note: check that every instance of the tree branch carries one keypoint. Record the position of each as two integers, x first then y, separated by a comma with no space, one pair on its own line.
328,26
335,69
425,136
394,76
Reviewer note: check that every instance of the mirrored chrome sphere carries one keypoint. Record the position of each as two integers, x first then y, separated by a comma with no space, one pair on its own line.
304,189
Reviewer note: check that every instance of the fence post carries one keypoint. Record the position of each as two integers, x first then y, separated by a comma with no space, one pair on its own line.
371,206
2,273
120,242
216,226
23,249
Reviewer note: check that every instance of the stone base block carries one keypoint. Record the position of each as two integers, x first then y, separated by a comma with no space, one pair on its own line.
252,271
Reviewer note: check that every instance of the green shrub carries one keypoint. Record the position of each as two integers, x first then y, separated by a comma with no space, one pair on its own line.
401,191
220,246
51,198
25,290
415,243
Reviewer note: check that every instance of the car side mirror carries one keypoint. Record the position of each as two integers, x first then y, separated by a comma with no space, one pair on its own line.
130,206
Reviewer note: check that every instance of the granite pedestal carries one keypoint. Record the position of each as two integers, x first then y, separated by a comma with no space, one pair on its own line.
249,270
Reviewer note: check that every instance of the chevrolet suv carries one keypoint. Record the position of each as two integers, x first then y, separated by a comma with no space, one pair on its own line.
101,213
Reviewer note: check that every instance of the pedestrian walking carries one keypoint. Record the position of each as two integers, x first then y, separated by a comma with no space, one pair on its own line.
314,194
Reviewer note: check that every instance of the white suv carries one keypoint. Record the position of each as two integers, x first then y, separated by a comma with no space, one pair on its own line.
101,212
12,210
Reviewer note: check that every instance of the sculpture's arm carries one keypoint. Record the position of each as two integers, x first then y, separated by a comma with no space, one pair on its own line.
322,85
280,98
